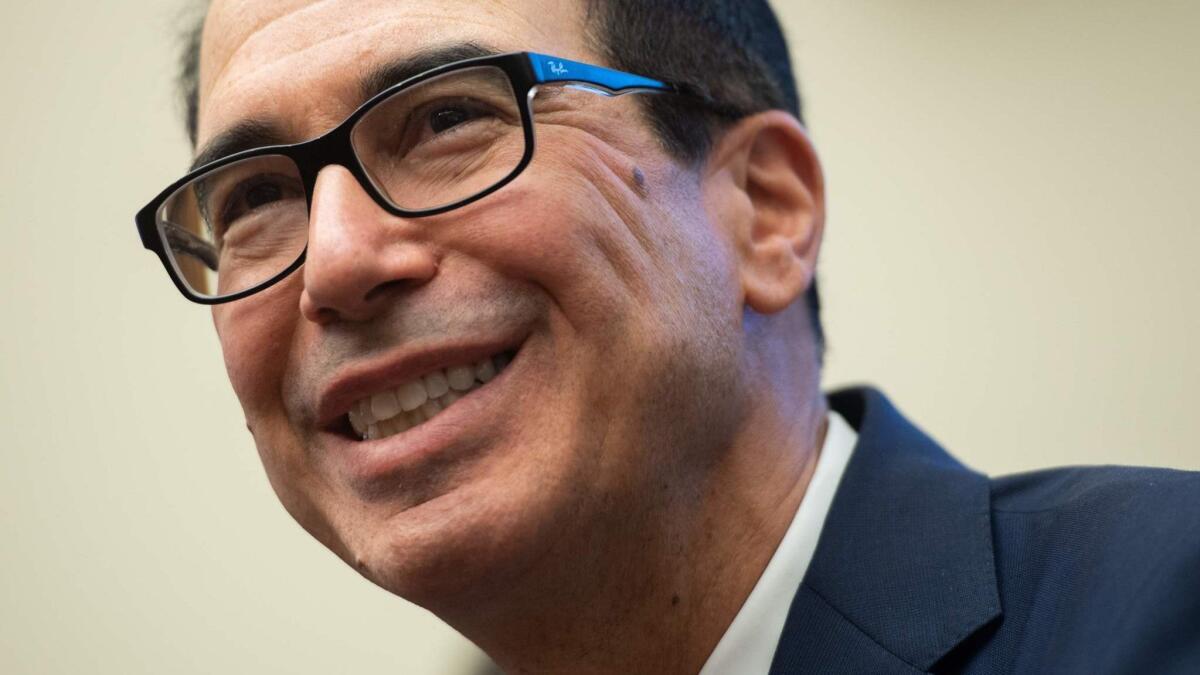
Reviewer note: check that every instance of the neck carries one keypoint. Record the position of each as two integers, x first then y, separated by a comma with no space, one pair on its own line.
655,591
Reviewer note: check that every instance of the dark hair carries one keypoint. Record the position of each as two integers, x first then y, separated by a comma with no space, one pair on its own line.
733,50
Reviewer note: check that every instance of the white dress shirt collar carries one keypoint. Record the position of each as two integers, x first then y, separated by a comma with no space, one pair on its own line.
749,644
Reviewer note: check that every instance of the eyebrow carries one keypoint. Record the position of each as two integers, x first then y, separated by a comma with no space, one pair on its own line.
245,135
389,74
256,133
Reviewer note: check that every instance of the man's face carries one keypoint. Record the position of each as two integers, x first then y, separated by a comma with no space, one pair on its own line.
598,270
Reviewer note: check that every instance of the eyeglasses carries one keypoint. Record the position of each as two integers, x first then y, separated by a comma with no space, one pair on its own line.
430,144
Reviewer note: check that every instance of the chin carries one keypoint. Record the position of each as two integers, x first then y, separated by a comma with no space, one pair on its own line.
461,548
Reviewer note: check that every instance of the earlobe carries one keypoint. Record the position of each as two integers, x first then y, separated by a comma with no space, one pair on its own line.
774,164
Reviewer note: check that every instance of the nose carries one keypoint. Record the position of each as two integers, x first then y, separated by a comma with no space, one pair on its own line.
358,254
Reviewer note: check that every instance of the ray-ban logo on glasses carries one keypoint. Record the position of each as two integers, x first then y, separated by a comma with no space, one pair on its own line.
557,67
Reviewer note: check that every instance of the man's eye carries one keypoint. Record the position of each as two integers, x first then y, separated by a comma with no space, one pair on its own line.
451,116
257,193
445,115
428,123
263,193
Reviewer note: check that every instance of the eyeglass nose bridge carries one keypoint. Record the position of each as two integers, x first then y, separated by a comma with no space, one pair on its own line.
333,148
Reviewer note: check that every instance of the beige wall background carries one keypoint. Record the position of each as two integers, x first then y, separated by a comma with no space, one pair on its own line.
1011,255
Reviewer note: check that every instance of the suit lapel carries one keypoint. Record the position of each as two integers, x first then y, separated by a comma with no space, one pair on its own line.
904,569
819,639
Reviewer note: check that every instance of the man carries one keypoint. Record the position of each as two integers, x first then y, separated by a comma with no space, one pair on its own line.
545,359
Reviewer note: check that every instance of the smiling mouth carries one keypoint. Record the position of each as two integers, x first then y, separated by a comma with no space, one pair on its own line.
398,409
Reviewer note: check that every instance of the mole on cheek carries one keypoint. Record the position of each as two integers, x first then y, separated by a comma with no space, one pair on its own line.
639,182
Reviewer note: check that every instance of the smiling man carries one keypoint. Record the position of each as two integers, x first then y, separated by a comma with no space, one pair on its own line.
518,298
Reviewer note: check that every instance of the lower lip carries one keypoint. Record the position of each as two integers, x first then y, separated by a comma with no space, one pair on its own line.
371,465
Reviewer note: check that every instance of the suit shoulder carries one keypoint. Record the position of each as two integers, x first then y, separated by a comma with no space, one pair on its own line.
1090,488
1097,569
1141,508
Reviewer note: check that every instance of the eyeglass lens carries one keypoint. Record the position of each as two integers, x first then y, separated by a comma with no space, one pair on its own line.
431,145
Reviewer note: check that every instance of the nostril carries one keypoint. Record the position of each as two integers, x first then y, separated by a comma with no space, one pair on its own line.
324,316
394,286
327,315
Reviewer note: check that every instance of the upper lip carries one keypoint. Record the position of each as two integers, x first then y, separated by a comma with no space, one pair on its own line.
359,380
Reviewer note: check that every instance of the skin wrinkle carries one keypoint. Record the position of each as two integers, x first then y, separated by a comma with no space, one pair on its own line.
261,35
641,437
610,155
616,203
618,169
243,85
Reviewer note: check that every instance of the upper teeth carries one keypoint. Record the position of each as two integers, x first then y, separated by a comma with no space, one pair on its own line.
413,402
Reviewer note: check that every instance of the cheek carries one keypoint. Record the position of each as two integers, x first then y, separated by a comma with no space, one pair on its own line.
642,285
570,226
256,335
625,261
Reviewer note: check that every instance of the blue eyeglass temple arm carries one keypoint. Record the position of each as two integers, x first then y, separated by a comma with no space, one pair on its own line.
552,70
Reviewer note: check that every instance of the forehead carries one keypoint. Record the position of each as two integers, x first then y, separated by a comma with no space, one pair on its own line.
299,62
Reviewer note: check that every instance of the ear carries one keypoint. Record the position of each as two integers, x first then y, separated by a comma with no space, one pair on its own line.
770,166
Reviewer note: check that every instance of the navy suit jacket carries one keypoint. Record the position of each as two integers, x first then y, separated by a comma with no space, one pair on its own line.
926,566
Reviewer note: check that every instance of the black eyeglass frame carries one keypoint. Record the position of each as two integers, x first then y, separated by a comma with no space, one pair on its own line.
526,71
